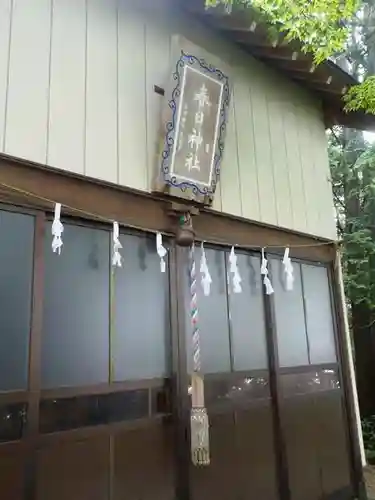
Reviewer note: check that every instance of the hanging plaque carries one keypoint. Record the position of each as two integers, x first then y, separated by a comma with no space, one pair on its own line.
194,129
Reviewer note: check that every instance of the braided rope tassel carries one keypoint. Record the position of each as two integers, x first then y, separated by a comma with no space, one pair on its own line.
200,450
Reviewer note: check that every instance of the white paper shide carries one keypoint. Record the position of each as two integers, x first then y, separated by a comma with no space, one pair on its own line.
116,256
206,279
288,271
161,251
233,269
57,230
264,272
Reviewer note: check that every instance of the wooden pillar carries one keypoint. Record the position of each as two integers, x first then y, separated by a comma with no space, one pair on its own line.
181,407
348,375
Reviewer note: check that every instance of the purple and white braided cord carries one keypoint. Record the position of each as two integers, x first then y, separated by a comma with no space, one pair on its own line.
194,313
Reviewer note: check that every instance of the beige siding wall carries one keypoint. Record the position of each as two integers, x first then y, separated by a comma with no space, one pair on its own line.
77,93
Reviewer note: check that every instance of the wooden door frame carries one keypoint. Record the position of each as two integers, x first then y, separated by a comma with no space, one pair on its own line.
180,379
339,313
276,396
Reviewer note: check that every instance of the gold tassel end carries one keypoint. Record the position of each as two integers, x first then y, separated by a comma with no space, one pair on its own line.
200,443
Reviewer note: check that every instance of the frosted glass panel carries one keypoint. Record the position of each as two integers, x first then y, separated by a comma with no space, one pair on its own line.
318,314
247,317
142,328
213,316
290,317
75,347
16,271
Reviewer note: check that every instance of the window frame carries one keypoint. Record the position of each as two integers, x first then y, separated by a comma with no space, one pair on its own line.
35,394
314,263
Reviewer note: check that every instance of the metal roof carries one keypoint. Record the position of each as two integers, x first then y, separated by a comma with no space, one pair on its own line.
327,81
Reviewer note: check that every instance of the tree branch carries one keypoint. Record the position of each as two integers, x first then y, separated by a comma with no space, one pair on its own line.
340,141
339,201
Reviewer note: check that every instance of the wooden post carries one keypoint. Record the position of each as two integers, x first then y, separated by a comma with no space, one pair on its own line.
348,374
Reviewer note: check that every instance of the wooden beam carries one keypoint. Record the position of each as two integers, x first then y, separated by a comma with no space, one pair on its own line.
296,66
88,198
280,52
318,85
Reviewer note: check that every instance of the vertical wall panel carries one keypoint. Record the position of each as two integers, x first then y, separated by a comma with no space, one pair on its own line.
221,478
323,175
81,98
132,98
230,176
85,465
140,475
158,67
66,132
267,194
27,107
280,161
101,90
294,167
217,203
5,23
249,188
308,170
12,466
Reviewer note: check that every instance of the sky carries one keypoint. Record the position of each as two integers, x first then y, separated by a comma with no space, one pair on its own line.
369,136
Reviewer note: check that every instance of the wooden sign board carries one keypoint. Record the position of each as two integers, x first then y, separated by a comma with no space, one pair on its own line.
193,131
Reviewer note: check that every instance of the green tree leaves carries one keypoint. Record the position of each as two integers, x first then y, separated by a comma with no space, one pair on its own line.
352,163
361,97
320,26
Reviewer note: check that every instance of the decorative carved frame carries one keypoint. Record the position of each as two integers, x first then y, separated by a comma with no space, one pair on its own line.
169,177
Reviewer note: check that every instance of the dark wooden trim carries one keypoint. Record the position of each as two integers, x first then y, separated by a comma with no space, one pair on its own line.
105,202
307,368
112,464
305,314
32,423
232,410
6,207
8,398
30,475
234,375
14,447
229,321
92,390
349,409
181,403
274,253
276,397
112,316
313,396
254,403
223,229
36,328
98,430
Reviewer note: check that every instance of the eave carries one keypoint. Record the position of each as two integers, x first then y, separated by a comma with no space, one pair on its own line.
328,82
